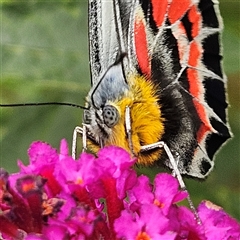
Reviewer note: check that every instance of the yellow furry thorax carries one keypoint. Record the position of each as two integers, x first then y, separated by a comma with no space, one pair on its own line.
146,121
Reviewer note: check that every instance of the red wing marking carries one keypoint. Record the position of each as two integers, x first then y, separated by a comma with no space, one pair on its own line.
195,19
176,10
141,43
195,88
194,54
159,11
202,132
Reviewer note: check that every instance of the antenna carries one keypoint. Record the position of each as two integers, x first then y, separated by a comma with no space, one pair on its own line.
42,104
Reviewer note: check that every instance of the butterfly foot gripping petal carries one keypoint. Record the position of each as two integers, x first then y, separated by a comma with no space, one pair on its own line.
176,172
82,131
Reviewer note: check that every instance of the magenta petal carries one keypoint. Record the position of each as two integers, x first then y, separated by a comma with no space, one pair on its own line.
114,163
63,149
166,190
150,222
89,168
125,182
40,155
126,225
66,172
155,221
141,193
165,185
188,225
82,172
114,160
68,205
218,224
40,151
82,220
55,231
180,196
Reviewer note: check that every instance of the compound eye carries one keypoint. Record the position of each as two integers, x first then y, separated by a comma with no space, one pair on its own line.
110,115
86,116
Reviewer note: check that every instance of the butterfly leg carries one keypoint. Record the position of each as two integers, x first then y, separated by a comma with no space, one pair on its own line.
83,132
177,157
176,172
129,130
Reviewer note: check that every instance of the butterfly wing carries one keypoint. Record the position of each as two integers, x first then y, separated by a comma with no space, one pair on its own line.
108,27
177,45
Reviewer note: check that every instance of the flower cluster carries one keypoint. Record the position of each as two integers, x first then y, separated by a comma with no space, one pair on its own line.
56,197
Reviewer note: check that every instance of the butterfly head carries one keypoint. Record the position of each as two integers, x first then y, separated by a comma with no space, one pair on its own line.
102,113
105,117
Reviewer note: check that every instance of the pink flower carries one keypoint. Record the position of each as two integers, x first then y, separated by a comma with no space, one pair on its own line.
147,223
42,158
167,192
217,223
163,193
100,197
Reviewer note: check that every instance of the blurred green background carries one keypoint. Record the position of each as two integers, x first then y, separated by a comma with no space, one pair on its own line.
44,58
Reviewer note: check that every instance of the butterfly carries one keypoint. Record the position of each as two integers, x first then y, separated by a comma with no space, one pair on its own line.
157,80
